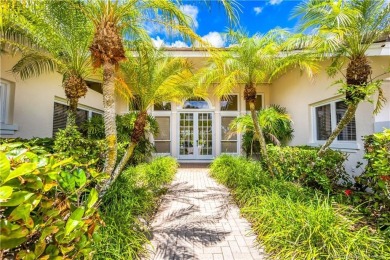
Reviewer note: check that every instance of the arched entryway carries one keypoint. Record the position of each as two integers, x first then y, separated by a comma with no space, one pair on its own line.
195,128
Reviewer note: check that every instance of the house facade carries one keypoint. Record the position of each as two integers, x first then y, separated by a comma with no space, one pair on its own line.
196,129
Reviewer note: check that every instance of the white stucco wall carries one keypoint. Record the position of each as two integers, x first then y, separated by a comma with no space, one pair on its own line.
33,103
298,93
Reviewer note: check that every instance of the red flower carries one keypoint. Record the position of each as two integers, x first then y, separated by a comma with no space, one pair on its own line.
348,192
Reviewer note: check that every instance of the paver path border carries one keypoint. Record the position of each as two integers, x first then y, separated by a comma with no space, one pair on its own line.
198,220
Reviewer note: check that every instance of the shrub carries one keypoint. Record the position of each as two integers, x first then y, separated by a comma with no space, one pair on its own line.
48,209
376,178
295,222
302,164
129,205
70,143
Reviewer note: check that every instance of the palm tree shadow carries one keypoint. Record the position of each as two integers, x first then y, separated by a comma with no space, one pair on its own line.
177,233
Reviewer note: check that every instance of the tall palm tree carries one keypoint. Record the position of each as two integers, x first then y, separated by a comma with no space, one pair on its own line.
252,61
52,36
114,20
149,77
346,29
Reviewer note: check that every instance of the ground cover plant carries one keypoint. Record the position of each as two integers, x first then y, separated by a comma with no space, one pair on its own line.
295,221
129,205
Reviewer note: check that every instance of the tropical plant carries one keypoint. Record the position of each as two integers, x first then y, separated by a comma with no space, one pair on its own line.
276,124
346,29
112,21
52,36
252,61
48,207
151,78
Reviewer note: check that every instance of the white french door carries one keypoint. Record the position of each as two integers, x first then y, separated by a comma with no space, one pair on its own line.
196,135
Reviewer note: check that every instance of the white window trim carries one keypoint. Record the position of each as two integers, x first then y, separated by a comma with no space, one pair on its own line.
6,125
347,146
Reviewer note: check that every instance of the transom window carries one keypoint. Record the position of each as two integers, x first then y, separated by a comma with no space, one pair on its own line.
229,103
196,103
328,116
164,106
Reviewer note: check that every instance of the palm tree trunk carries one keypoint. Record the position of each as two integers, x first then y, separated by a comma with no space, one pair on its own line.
109,117
260,134
345,120
72,112
138,133
129,152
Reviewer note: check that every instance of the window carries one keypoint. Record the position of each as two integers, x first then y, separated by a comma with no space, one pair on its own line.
258,103
164,106
328,116
60,116
229,103
195,103
4,89
6,108
163,139
228,140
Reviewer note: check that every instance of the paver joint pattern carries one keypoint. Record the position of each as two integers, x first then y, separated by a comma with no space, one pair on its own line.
198,220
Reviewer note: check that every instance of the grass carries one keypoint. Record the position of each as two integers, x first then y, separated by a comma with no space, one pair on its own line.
295,222
129,205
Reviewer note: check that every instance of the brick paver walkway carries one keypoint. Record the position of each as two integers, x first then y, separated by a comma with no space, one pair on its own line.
197,220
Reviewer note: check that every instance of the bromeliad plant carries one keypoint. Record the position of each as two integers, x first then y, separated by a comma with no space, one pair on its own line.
47,206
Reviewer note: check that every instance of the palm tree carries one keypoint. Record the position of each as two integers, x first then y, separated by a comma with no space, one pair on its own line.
148,77
52,37
114,20
346,29
252,61
274,120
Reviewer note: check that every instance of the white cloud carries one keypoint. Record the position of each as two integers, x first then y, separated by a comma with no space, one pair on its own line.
179,44
258,10
191,11
158,43
215,39
275,2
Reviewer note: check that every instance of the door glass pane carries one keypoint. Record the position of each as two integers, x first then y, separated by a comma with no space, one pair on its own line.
186,134
323,118
205,146
229,147
349,132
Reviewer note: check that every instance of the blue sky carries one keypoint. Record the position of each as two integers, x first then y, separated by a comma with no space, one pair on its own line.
210,22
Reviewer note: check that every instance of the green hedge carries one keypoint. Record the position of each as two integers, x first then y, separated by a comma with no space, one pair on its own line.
295,222
301,164
129,205
376,179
